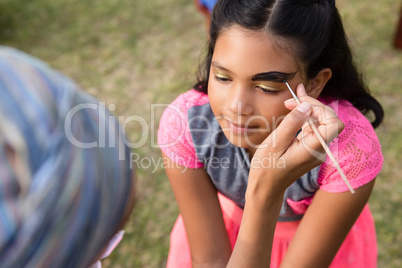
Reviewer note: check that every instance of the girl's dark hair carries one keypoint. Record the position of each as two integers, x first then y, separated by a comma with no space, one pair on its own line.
317,37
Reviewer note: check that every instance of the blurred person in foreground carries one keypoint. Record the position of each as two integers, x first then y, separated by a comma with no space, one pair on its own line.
66,186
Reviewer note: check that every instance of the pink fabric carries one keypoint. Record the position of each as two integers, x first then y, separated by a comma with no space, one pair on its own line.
179,253
109,249
358,250
357,150
174,136
300,207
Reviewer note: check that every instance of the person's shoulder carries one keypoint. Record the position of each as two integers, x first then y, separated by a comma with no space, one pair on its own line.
174,136
357,149
178,109
350,115
358,129
341,107
190,99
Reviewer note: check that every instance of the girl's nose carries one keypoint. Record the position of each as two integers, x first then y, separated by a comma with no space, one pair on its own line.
240,102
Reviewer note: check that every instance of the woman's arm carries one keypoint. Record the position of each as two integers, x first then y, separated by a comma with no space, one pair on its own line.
254,242
324,227
199,206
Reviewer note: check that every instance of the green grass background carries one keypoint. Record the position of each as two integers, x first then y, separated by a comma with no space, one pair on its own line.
132,53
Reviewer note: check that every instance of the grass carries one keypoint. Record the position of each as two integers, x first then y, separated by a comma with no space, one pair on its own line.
135,53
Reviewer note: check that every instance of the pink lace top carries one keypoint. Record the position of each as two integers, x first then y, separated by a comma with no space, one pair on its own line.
357,148
174,137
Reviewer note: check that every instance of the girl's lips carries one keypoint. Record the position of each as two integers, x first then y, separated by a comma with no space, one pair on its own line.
239,128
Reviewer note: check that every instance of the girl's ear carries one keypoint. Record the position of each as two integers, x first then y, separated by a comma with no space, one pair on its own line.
316,85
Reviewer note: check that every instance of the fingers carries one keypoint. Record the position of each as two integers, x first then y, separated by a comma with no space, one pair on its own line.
321,115
284,134
301,91
302,95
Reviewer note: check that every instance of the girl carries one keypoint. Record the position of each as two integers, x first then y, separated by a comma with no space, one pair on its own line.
212,134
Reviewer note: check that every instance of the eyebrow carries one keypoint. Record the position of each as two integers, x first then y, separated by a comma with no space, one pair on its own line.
220,67
268,76
273,76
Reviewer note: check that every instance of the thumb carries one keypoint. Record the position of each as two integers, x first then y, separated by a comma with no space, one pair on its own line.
285,133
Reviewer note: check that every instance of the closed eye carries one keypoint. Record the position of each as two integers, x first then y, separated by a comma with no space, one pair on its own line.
267,90
221,78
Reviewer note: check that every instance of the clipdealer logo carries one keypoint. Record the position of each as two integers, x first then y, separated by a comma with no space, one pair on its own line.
111,131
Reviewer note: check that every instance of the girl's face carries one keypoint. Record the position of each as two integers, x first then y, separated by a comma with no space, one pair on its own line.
246,101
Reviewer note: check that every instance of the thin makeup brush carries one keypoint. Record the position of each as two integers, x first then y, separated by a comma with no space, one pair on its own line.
323,144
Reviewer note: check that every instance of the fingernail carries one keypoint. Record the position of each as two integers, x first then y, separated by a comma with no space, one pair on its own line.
289,100
304,107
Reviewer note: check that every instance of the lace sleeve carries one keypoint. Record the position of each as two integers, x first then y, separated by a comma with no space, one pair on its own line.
357,150
174,138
